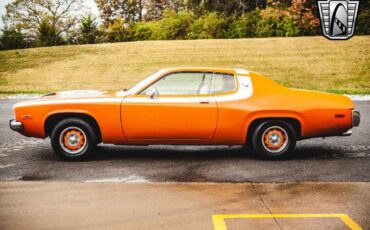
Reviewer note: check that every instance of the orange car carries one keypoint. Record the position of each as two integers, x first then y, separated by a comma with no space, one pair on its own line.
187,106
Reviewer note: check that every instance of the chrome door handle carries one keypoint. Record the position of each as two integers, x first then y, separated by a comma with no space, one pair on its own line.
204,101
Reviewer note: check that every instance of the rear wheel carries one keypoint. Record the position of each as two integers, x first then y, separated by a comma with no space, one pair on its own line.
273,140
73,139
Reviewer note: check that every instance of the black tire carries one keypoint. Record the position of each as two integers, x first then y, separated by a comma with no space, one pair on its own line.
282,134
78,128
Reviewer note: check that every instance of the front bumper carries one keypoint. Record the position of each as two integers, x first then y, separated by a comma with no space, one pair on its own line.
356,117
15,125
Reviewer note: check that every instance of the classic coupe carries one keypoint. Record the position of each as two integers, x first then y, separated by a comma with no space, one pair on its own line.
187,106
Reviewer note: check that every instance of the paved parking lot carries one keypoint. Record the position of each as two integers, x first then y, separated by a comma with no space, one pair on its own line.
331,159
325,186
65,205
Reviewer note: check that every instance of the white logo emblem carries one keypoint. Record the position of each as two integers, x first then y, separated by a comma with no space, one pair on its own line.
338,18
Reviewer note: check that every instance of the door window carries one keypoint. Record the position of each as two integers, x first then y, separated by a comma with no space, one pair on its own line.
182,84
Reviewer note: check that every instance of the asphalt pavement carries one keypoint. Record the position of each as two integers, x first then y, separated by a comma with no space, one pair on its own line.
211,206
334,159
325,186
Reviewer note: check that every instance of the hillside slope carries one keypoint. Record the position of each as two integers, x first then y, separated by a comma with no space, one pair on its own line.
302,62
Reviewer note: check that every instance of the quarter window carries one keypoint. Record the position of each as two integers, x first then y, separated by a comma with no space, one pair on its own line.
222,83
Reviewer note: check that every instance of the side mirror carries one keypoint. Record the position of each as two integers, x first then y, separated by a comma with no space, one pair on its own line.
152,93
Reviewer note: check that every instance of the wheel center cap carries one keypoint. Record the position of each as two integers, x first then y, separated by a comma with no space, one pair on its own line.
274,139
73,139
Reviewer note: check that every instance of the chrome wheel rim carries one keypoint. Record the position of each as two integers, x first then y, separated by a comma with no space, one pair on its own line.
275,139
73,140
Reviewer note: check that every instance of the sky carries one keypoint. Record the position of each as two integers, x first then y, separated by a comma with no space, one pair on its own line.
88,4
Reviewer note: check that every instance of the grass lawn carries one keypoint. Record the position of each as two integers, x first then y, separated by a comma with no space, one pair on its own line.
302,62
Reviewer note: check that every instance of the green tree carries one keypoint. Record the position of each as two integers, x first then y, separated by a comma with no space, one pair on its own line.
117,31
128,10
33,15
174,25
244,26
363,23
227,7
143,31
276,22
48,34
303,17
211,25
154,9
89,30
11,38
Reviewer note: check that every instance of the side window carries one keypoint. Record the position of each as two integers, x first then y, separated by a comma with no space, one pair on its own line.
182,84
222,83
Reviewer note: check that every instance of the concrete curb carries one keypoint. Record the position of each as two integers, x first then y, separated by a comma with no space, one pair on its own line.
356,98
21,96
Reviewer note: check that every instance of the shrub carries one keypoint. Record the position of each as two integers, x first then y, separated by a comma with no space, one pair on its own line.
276,22
245,26
143,31
363,23
211,25
173,25
11,38
117,31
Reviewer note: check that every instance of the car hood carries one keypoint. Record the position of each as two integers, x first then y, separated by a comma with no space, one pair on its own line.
73,95
77,94
84,94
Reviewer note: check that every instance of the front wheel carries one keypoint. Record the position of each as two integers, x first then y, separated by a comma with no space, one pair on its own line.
73,139
274,140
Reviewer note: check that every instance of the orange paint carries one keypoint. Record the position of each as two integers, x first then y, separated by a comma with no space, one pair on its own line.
132,118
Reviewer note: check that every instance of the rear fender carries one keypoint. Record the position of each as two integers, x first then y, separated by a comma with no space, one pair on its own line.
267,115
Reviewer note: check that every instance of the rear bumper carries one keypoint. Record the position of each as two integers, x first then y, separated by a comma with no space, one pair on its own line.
356,117
15,125
348,133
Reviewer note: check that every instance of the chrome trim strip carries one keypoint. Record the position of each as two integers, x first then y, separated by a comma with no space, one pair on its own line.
142,99
245,90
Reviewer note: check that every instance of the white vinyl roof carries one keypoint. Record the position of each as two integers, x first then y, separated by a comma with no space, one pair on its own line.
241,71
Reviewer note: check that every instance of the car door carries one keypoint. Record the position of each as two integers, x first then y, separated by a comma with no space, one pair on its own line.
177,108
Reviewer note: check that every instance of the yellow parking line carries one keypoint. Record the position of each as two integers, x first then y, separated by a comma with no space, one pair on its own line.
219,219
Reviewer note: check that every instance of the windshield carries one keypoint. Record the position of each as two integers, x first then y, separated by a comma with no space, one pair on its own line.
141,84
